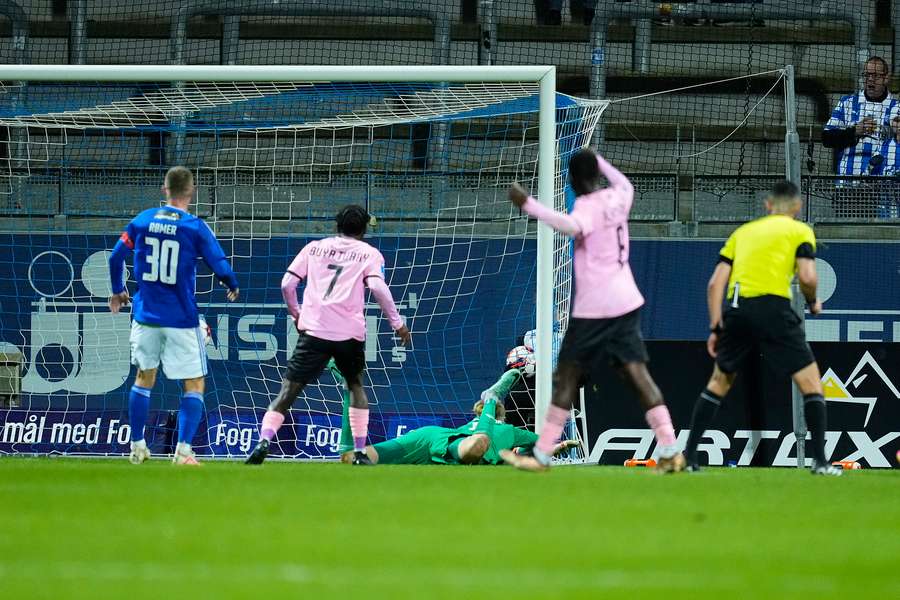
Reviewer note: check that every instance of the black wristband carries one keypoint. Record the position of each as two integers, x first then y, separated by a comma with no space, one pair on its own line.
716,330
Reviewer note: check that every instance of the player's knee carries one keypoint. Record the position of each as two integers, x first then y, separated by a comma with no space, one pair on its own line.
720,382
808,380
286,396
356,388
145,378
558,379
566,372
196,385
474,450
566,382
652,396
813,387
358,398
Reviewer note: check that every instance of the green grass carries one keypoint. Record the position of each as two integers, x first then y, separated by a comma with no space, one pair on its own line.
102,528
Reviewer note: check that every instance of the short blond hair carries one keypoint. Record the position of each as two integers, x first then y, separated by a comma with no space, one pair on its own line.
499,412
179,181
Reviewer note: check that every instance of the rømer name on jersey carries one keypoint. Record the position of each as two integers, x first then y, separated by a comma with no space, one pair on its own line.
167,242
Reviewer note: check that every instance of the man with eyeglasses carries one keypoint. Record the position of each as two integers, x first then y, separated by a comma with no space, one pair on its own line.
863,131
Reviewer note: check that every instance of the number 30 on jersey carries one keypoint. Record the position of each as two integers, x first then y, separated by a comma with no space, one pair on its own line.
162,259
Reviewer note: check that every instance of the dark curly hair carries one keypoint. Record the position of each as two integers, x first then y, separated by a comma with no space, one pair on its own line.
584,173
352,220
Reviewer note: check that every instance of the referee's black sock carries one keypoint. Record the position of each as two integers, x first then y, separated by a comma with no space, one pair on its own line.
704,412
814,407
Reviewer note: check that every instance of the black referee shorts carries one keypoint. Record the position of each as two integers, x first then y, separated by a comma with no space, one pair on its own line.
767,326
312,354
593,343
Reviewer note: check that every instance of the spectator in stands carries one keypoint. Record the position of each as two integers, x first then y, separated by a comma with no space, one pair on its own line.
863,131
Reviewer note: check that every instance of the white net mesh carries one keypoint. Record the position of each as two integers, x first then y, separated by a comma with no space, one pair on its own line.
274,163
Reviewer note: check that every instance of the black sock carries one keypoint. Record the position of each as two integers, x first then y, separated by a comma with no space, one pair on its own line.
814,407
704,412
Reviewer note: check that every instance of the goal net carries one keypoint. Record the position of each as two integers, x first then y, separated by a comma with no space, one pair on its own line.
274,161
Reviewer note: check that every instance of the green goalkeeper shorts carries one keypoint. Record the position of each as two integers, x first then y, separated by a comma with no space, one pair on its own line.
423,446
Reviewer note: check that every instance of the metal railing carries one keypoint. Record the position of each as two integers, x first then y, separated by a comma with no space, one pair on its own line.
852,200
859,13
831,199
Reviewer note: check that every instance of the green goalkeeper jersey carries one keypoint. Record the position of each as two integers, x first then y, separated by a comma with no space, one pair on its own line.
503,437
432,444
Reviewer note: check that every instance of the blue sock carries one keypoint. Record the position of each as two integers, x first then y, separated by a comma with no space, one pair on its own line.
189,414
138,409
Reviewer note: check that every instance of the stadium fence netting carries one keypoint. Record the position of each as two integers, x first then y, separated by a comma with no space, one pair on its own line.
274,162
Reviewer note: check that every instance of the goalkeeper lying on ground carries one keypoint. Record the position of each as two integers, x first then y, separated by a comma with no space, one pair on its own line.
477,442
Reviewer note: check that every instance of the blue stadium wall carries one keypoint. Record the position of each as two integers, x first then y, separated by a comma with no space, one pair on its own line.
433,383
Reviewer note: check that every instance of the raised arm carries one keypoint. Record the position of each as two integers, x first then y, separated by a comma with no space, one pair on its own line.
614,176
561,222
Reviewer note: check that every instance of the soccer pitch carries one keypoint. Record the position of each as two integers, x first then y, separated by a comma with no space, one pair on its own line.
104,528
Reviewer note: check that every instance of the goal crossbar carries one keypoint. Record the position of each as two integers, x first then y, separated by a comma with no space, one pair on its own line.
315,73
545,76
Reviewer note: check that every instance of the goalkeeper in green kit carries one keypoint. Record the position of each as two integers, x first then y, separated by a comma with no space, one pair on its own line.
477,442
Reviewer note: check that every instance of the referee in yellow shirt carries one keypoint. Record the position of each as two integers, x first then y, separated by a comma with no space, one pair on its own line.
757,265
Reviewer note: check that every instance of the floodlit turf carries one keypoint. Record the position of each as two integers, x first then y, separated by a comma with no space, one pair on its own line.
104,528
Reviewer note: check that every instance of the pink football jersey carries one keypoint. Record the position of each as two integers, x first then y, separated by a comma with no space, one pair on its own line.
604,284
335,270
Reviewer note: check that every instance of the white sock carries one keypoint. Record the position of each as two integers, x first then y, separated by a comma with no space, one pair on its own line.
183,448
140,444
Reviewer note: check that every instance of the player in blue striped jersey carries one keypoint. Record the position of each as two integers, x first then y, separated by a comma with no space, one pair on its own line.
863,126
165,327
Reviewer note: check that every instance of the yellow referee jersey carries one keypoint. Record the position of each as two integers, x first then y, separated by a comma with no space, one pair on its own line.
762,255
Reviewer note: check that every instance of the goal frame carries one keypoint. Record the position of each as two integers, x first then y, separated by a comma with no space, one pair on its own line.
544,76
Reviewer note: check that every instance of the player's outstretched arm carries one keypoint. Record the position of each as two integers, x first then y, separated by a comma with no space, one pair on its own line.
500,390
385,300
563,223
121,250
615,177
